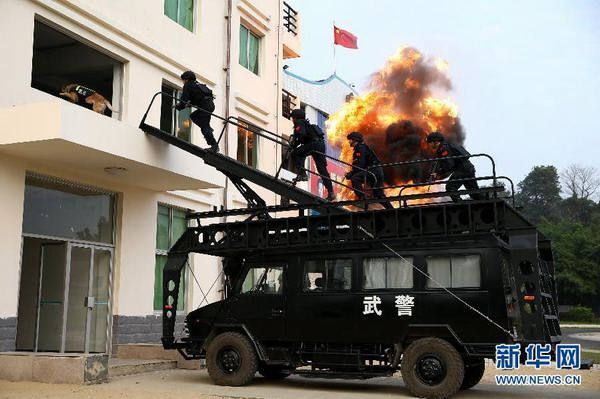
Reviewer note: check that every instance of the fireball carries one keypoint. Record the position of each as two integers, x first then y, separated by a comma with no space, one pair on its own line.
402,106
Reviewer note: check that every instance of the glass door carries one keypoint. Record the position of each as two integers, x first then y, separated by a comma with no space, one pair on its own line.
74,298
49,332
79,299
100,293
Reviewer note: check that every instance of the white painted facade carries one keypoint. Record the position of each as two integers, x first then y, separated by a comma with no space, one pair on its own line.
43,134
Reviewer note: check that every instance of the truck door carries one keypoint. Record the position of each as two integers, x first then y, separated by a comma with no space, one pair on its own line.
326,305
260,300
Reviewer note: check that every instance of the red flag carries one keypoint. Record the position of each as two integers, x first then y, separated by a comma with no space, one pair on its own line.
344,38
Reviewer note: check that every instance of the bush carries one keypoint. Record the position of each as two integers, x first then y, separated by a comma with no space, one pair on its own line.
581,313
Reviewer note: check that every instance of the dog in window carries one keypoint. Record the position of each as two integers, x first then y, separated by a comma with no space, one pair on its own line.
75,93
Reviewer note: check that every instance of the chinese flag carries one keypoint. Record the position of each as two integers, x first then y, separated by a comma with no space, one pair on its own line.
344,38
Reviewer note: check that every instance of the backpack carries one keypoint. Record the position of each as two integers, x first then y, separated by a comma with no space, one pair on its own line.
372,158
205,92
316,132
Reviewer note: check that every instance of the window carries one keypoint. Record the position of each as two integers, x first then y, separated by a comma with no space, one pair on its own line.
63,64
457,271
247,150
328,275
170,225
249,43
264,280
59,209
182,12
387,273
178,123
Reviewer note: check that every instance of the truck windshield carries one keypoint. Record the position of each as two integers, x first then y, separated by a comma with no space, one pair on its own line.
263,279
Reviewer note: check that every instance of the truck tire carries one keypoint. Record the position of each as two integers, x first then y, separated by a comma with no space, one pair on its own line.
273,372
432,368
231,359
474,369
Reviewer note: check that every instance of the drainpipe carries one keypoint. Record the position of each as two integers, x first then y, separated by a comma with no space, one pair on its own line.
227,70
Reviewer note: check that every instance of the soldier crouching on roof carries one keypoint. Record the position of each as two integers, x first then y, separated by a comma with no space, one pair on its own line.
461,168
307,139
201,96
364,158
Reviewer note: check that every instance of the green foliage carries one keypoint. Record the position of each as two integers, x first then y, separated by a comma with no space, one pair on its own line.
577,259
581,313
573,225
539,194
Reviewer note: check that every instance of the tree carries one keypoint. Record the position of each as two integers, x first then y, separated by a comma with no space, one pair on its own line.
539,194
580,181
577,260
578,210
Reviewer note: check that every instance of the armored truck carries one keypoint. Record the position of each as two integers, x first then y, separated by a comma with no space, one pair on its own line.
427,290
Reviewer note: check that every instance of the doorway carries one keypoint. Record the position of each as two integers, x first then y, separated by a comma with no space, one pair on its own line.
71,286
66,267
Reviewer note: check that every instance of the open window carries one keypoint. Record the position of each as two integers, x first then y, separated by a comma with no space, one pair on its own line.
247,148
178,123
60,59
327,275
263,280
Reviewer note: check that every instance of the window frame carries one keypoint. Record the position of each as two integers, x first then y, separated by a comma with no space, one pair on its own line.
178,20
265,265
247,49
175,115
256,141
158,296
351,288
408,258
450,256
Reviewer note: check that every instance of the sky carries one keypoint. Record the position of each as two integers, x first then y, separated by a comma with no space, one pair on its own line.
525,74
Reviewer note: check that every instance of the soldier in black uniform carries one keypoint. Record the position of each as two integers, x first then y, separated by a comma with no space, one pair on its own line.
363,158
305,139
201,96
461,168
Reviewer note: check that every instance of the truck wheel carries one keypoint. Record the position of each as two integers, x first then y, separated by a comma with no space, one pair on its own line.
432,368
474,369
231,359
274,372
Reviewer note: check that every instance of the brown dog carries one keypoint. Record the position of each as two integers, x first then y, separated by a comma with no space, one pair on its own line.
75,92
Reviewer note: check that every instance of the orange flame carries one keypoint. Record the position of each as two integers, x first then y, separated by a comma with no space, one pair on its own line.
396,116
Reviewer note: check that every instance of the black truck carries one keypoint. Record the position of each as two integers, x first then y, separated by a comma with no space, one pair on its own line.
425,289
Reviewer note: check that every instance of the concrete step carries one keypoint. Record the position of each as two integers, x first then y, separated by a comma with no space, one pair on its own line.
118,367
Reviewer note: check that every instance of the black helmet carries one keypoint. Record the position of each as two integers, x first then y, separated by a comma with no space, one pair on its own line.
435,136
188,75
298,114
356,136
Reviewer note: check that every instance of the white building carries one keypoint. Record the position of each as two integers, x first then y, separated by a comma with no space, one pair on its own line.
319,99
91,204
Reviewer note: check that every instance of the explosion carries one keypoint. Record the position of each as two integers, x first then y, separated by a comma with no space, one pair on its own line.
395,116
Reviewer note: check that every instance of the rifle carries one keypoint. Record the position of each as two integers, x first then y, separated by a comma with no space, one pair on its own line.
432,171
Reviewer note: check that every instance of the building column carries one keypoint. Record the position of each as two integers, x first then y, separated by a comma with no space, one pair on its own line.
12,193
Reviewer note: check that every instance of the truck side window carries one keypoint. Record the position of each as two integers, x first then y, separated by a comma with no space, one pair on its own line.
456,271
387,273
327,275
264,279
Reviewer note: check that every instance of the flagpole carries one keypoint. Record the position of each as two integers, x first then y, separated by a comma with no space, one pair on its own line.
334,60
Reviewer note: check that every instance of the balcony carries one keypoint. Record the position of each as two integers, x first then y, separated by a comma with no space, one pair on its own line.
291,32
65,136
